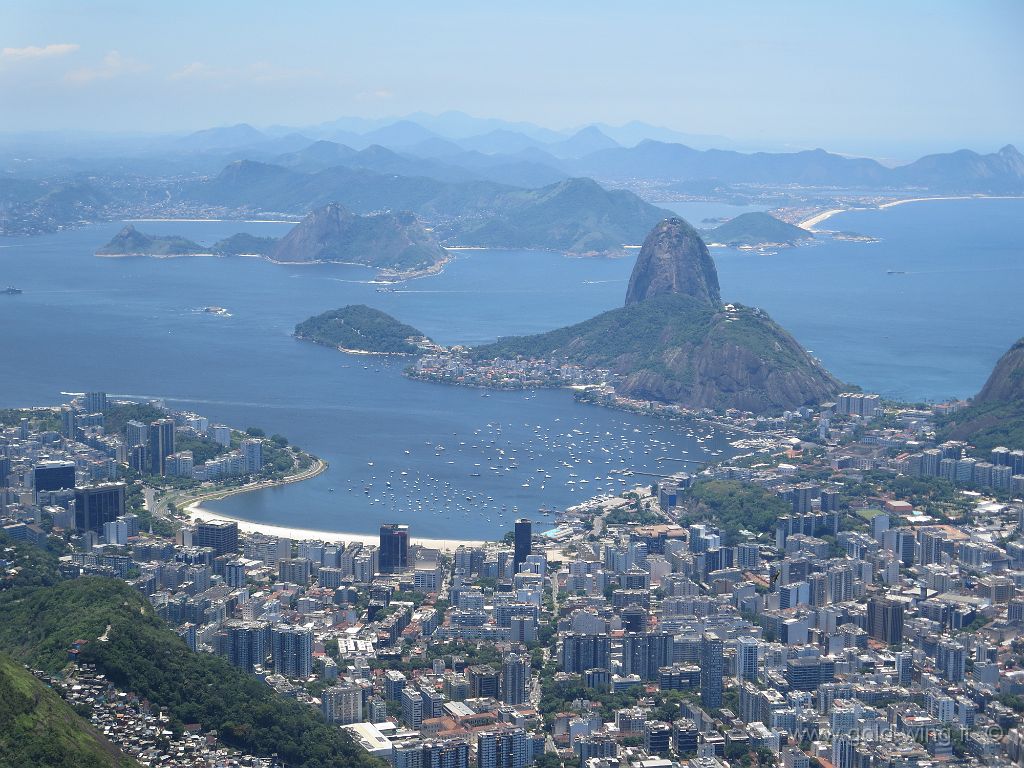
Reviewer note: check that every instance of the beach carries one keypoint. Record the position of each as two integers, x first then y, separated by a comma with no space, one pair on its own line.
195,511
810,223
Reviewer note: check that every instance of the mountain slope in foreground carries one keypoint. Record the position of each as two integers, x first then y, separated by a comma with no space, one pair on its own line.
39,728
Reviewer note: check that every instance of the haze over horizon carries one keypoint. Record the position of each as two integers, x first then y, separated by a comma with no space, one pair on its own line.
885,81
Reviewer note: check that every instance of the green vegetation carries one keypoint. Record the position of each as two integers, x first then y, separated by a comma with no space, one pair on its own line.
40,729
130,242
360,328
31,566
384,240
203,448
575,216
245,244
39,419
987,425
757,228
733,506
996,416
117,415
677,349
144,656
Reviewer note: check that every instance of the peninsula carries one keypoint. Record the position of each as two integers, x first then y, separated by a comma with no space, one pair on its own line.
673,342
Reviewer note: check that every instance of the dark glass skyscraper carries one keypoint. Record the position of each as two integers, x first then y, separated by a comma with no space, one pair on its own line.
98,504
161,445
712,668
394,547
523,541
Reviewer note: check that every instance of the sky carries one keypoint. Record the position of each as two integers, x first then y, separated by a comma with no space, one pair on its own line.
848,76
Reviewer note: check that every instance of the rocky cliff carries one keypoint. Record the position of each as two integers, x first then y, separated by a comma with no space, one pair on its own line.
674,259
385,240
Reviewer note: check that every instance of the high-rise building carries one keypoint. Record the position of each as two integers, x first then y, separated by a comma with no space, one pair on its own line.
515,679
54,475
523,543
95,402
412,708
712,668
580,652
747,649
951,660
243,643
96,505
646,653
252,452
512,748
453,753
292,649
394,547
483,681
137,433
161,445
885,620
342,704
842,751
221,535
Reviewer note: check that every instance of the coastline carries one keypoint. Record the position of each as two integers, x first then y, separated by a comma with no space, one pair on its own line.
195,512
384,276
192,509
810,223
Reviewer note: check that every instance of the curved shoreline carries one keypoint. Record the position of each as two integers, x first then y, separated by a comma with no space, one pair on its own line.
811,222
192,510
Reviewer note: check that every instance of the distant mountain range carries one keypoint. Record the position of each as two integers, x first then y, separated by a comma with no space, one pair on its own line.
635,150
576,216
442,167
675,342
29,206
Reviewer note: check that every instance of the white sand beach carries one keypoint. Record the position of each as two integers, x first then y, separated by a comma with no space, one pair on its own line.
196,512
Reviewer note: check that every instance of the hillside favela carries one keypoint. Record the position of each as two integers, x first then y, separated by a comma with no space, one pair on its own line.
511,385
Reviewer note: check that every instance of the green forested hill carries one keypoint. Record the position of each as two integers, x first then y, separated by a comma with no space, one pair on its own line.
39,729
359,327
144,656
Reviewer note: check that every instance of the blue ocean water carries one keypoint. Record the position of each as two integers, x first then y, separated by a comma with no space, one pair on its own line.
133,327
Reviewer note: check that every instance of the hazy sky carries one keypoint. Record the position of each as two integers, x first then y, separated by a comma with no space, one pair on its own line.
827,73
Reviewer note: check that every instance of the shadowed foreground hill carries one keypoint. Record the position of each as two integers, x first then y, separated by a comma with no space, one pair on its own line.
38,729
675,342
145,657
996,415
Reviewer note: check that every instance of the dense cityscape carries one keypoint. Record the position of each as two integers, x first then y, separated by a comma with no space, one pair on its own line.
844,594
511,385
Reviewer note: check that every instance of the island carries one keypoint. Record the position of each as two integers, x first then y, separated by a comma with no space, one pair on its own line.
131,242
360,329
758,229
394,243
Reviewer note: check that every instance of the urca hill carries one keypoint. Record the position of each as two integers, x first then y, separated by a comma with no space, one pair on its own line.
674,341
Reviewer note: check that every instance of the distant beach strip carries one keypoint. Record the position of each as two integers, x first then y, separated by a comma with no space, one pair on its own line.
811,223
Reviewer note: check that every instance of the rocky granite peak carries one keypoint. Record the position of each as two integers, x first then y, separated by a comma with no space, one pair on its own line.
674,260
